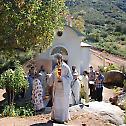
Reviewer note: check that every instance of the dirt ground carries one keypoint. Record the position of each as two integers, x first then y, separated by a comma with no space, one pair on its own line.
77,119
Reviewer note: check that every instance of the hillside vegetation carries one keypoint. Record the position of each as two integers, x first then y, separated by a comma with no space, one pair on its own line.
105,23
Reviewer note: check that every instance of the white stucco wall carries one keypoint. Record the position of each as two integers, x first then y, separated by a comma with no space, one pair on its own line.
85,59
70,41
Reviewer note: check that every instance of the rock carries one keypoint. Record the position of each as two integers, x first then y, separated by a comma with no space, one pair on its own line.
122,101
113,100
114,77
108,112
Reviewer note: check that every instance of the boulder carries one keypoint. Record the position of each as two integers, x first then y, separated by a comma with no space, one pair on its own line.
108,112
114,77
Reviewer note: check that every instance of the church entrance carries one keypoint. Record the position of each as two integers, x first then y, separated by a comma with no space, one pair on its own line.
62,51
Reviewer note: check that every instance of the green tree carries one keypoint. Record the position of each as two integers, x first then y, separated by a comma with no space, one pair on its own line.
29,24
78,23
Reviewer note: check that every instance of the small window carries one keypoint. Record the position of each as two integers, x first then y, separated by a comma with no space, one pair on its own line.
59,33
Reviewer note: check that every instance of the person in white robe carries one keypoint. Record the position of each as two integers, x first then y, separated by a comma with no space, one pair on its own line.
61,78
75,88
42,78
85,87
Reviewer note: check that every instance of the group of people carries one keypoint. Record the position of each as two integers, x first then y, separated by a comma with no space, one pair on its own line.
65,88
37,87
96,80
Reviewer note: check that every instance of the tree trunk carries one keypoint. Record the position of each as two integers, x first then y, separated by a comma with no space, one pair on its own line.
12,102
10,96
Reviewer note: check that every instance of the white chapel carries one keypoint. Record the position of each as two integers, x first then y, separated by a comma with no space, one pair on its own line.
68,43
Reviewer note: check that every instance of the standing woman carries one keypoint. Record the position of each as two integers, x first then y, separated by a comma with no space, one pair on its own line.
37,94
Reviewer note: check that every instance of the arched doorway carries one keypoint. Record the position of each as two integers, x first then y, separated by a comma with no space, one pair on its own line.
61,50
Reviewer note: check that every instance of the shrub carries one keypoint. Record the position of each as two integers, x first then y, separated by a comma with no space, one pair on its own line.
13,110
121,28
116,90
115,47
118,28
9,111
122,38
108,68
14,81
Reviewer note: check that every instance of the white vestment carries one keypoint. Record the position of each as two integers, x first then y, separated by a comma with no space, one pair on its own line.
42,78
61,93
75,92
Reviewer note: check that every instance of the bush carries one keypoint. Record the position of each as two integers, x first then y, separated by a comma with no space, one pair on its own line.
121,28
122,38
115,47
14,81
13,110
116,90
118,28
9,111
108,68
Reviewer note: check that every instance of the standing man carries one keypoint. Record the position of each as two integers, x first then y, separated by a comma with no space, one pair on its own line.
86,87
99,85
92,82
61,78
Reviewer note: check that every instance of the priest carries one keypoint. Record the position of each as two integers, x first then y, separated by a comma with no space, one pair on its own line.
60,79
